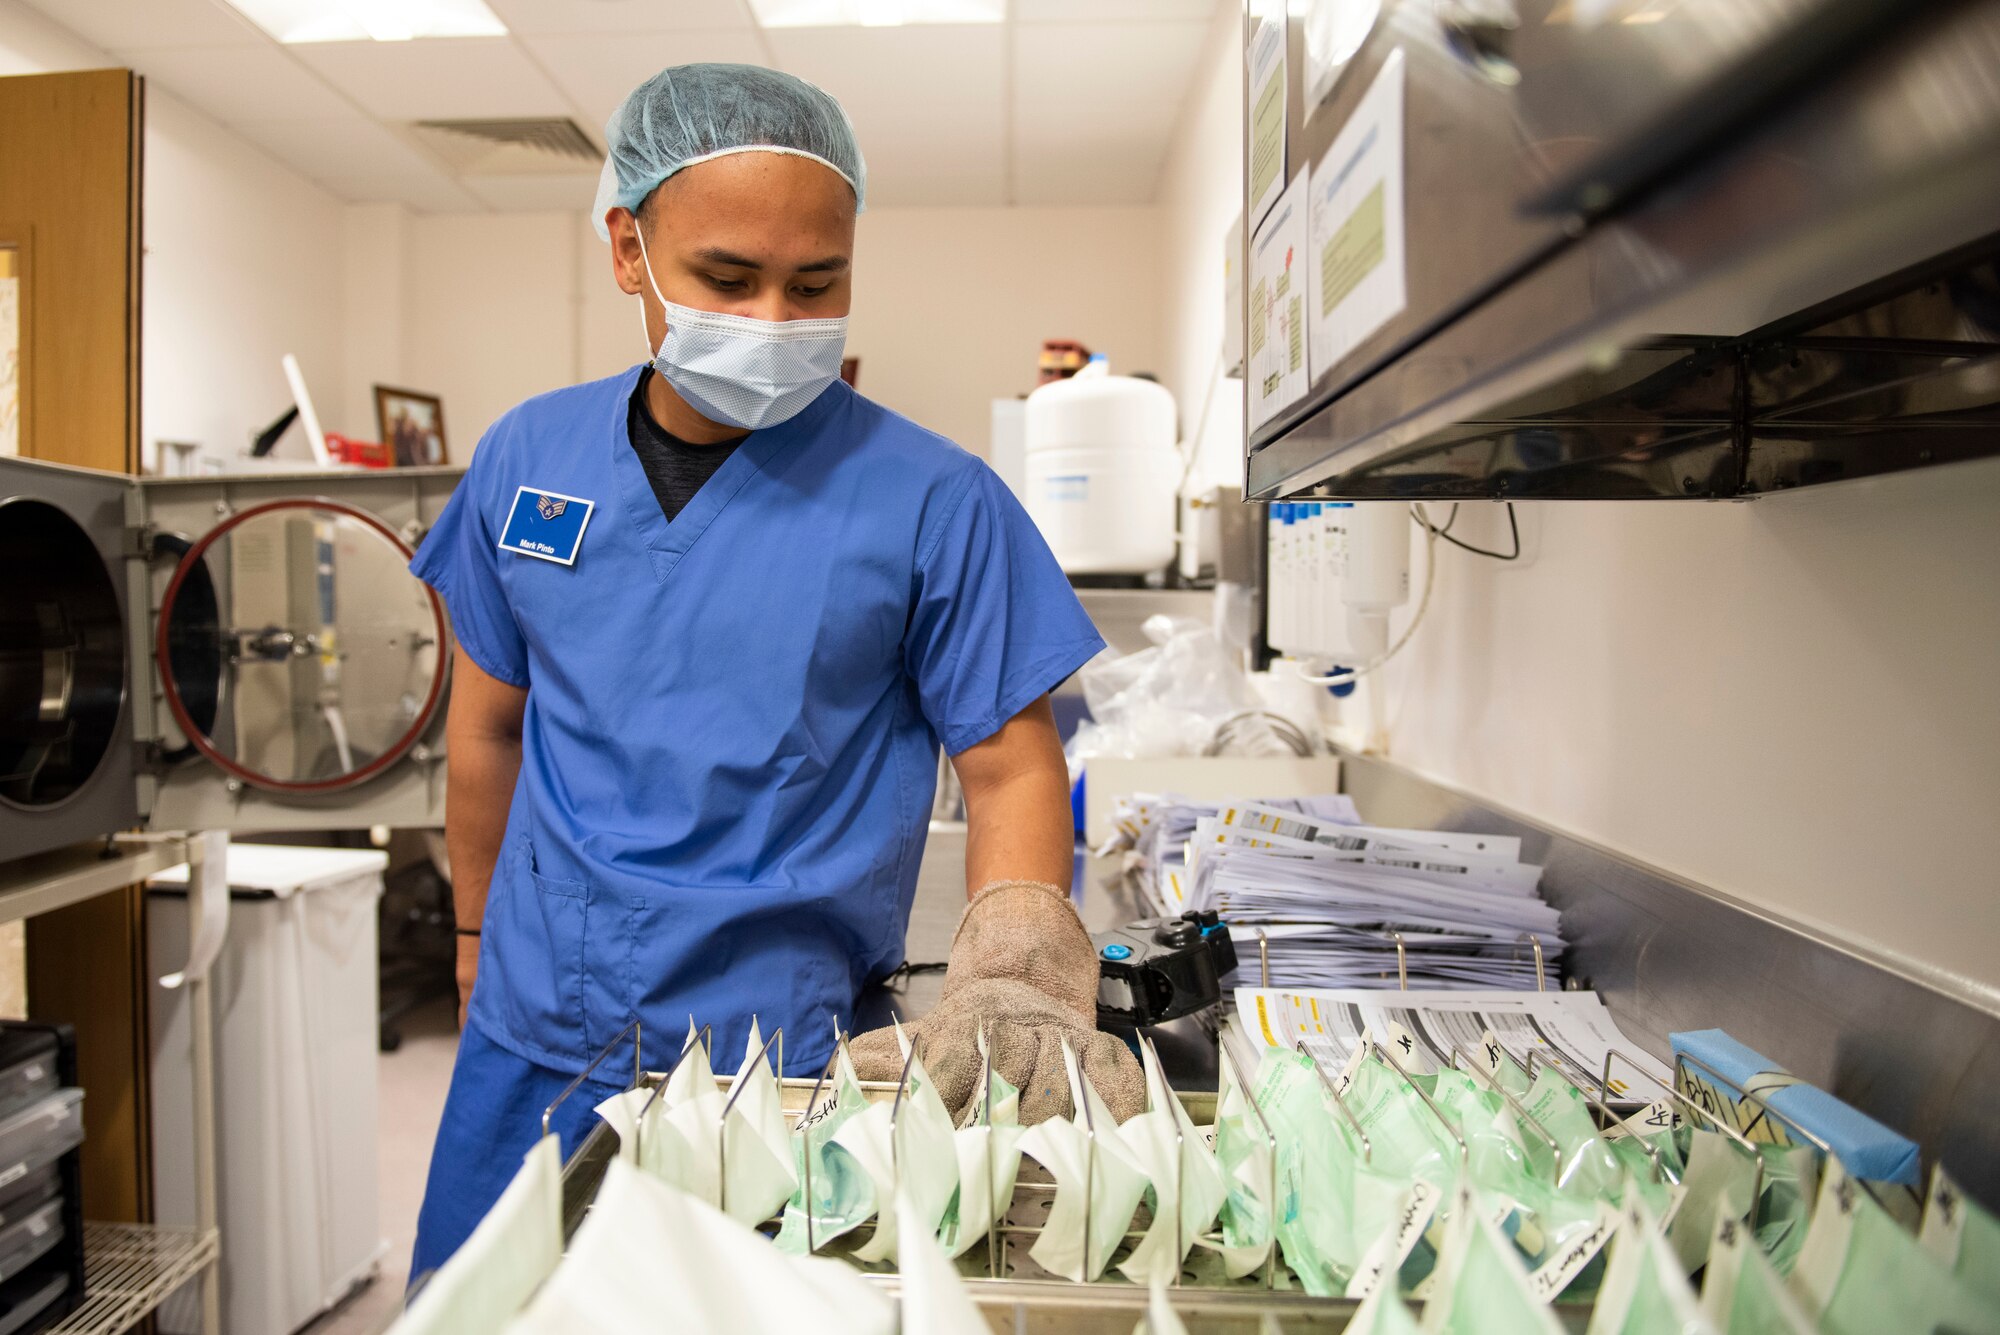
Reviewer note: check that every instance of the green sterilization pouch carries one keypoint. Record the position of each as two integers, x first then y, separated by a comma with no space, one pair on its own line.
1784,1210
1862,1273
1645,1291
843,1195
1721,1181
1243,1150
1480,1287
1963,1235
1741,1293
1335,1198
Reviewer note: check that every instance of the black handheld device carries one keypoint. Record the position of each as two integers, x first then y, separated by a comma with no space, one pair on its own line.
1160,969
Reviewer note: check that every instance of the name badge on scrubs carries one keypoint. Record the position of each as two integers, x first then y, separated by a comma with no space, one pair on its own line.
546,524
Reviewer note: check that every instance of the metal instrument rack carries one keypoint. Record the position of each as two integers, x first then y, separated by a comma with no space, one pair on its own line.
1003,1279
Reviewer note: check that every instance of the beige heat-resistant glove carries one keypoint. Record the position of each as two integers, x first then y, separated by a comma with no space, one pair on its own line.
1022,965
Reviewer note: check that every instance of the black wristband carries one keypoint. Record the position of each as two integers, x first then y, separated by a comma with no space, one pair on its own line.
468,931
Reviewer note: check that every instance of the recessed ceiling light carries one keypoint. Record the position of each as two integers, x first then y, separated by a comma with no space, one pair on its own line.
874,13
294,21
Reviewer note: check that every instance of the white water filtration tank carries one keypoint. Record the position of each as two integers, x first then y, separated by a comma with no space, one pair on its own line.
1102,471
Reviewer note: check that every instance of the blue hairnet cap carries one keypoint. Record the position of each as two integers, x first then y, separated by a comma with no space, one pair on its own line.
691,113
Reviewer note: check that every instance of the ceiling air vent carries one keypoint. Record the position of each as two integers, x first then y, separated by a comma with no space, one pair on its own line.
510,147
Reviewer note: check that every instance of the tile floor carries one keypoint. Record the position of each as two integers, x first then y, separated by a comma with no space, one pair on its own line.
413,1082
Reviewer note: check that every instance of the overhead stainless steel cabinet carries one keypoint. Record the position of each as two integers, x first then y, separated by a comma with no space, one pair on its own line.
1666,248
244,653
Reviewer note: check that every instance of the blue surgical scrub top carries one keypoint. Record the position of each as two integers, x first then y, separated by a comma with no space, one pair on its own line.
729,750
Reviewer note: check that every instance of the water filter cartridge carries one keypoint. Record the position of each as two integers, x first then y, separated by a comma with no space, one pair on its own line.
1378,557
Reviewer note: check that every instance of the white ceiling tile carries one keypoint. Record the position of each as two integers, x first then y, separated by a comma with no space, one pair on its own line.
330,150
598,71
117,25
534,194
240,84
1120,120
1092,64
428,192
1101,11
620,17
915,69
472,77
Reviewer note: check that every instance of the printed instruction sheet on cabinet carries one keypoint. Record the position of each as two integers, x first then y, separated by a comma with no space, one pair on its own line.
1277,307
1356,225
1267,113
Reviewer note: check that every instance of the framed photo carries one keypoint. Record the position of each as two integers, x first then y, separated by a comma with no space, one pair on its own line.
412,426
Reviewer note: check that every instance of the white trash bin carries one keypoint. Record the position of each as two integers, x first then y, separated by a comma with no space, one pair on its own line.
295,1067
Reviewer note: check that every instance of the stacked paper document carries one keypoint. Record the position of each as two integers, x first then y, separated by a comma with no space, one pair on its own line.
1325,901
1571,1030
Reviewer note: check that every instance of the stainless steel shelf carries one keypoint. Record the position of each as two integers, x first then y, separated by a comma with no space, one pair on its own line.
66,876
131,1269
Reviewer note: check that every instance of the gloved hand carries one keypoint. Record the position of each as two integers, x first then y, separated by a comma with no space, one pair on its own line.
1022,965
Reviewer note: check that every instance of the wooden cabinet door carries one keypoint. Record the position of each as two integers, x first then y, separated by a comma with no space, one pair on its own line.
69,227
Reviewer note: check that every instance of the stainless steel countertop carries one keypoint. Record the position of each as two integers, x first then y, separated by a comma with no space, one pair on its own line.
1103,901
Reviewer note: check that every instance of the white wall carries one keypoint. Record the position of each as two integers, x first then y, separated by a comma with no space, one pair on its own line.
1789,701
950,308
951,305
242,264
1201,195
490,315
374,248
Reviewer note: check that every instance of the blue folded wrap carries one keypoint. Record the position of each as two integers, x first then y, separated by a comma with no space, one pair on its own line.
1868,1149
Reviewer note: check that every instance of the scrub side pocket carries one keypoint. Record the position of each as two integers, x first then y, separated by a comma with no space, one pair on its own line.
551,997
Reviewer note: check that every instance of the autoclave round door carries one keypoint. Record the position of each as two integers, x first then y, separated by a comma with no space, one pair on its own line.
62,655
295,648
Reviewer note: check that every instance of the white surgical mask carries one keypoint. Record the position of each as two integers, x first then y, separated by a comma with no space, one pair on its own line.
745,372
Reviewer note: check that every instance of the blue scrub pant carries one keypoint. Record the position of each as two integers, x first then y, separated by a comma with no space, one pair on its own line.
492,1117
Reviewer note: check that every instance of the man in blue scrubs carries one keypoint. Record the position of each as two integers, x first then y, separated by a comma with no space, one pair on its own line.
714,616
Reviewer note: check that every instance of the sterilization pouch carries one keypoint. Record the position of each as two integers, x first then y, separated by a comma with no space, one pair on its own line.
1741,1293
988,1148
1160,1318
1721,1177
649,1254
1480,1287
1791,1182
1075,1156
843,1196
1962,1235
905,1147
1645,1290
1861,1272
934,1299
1329,1207
1185,1179
513,1250
1383,1313
1244,1153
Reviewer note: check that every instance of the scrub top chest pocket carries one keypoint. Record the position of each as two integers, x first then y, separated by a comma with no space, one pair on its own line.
548,525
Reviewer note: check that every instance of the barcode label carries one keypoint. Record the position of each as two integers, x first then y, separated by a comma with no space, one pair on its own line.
1289,829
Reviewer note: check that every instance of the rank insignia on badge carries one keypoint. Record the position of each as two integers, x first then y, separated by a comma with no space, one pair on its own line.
546,525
